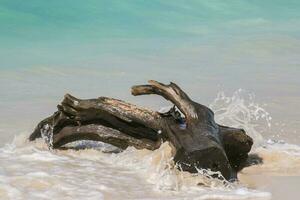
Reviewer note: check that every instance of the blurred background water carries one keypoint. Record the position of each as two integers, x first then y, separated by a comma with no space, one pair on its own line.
92,48
101,48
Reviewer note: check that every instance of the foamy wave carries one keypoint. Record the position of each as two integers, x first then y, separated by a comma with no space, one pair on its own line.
241,111
31,171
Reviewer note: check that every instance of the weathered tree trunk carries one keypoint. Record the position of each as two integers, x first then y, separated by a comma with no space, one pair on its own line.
199,141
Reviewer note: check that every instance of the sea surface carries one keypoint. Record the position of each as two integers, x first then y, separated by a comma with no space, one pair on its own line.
240,58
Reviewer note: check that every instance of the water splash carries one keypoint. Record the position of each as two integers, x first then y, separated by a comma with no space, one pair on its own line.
47,135
241,111
157,167
138,172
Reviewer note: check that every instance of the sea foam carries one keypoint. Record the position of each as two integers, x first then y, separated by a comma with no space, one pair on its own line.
29,170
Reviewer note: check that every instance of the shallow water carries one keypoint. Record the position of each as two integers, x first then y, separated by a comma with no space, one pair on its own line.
101,48
32,171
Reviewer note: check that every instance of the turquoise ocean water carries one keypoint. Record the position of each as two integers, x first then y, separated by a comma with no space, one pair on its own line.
48,48
247,49
74,33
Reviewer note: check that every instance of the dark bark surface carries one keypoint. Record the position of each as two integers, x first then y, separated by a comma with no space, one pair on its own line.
198,140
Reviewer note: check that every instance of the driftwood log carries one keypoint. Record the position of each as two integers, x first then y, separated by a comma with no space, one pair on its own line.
199,142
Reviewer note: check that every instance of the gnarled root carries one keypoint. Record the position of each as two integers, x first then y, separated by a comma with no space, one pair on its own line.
198,140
